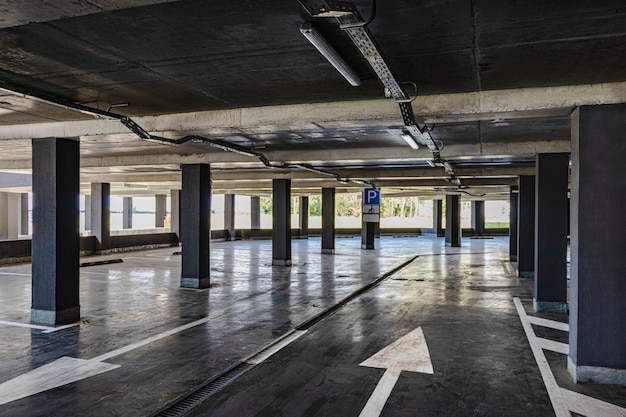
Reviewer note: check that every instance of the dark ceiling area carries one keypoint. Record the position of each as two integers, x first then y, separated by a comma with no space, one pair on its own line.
159,57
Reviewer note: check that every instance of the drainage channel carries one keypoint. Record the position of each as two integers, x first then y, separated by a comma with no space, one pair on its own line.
185,404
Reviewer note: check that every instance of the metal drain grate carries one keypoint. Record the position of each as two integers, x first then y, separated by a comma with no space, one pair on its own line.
185,404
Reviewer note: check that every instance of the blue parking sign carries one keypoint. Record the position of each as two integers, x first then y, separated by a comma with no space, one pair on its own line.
371,196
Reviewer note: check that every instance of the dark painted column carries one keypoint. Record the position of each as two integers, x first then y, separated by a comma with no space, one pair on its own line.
368,233
255,212
328,220
513,193
597,337
55,245
281,229
526,226
478,217
437,218
24,214
127,212
551,232
229,215
175,211
453,220
100,214
195,215
304,216
88,212
160,210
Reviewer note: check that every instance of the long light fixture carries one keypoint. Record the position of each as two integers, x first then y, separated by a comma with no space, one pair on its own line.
329,53
410,141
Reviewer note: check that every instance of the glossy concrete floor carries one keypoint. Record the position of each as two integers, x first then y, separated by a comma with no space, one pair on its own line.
144,342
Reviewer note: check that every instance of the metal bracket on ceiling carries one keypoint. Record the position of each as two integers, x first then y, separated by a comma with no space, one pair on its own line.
352,23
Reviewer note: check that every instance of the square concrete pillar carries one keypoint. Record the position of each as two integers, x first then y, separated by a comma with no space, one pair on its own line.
229,215
23,229
281,230
160,210
195,225
175,211
437,218
55,245
513,223
453,220
526,227
127,212
478,217
304,216
597,337
9,215
101,214
88,212
551,232
255,212
328,220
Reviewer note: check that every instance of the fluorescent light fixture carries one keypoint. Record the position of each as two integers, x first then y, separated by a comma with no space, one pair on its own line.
410,141
329,53
431,163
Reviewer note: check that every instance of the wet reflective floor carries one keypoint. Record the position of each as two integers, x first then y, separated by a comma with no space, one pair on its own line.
144,342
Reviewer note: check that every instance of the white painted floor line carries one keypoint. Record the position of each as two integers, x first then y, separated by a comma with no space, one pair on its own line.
56,329
45,329
267,353
588,406
554,346
15,273
549,323
554,392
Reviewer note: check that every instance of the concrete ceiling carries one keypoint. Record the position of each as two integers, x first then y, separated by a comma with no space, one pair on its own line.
497,80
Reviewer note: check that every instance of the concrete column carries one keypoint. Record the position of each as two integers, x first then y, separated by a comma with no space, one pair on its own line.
87,212
513,193
526,227
328,220
255,212
551,232
100,214
160,210
368,233
127,212
304,216
453,220
437,218
23,214
195,215
478,217
9,215
175,212
597,339
55,245
281,230
229,215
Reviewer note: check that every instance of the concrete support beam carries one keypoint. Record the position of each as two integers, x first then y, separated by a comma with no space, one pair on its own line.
160,210
55,245
195,216
175,212
304,216
255,212
513,203
597,339
281,230
526,227
9,215
328,220
229,215
100,214
127,212
453,220
23,217
478,217
551,232
438,218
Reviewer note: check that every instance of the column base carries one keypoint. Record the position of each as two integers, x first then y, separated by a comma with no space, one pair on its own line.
67,316
328,251
367,247
597,374
549,306
513,258
197,283
526,274
453,245
281,262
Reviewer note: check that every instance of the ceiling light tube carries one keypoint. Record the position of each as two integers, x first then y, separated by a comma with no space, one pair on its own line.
329,53
410,141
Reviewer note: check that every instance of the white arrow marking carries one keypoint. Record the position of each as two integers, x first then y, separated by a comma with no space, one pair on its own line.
409,353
